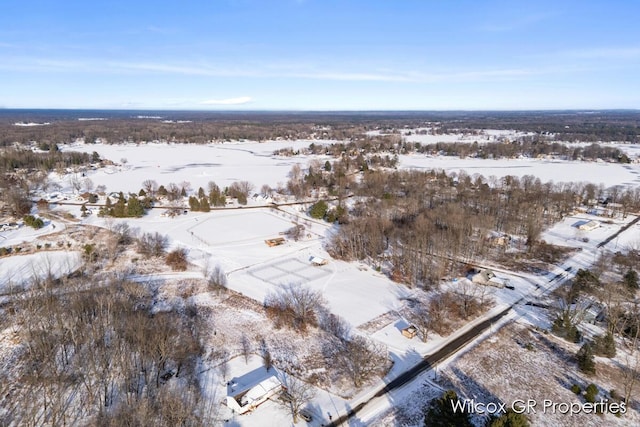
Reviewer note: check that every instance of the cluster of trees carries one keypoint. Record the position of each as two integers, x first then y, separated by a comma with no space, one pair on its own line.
523,148
15,158
101,355
203,200
445,311
320,210
240,191
23,170
382,150
123,208
620,315
201,204
216,197
424,222
33,222
355,357
336,180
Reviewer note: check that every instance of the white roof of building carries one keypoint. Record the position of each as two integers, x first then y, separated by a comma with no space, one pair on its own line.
259,390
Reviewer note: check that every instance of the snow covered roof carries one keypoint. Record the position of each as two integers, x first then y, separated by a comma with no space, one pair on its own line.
317,260
258,391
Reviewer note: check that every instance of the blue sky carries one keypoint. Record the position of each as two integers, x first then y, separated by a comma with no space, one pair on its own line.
320,54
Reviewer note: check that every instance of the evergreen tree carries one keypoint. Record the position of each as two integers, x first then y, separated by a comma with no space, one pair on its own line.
586,361
605,345
508,419
318,210
631,280
591,393
440,412
108,208
194,204
204,205
134,207
120,208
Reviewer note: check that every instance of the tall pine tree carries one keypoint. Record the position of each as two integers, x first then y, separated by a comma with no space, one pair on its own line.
441,413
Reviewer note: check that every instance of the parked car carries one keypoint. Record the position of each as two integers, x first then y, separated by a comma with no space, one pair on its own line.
305,415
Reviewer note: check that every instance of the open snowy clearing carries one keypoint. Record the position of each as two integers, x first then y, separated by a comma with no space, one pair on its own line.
608,174
222,163
28,234
17,269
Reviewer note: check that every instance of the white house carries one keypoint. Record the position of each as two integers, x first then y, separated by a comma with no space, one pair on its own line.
249,399
589,226
488,277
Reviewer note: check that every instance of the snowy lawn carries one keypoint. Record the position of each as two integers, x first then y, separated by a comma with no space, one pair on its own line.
17,269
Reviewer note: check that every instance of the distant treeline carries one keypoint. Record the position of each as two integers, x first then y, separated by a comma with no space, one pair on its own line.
525,146
202,127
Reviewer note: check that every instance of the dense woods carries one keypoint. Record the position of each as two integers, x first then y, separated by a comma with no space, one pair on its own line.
102,355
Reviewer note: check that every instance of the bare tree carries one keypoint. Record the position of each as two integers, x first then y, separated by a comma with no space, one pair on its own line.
150,187
245,347
87,184
295,306
298,394
152,244
419,317
217,279
75,181
361,359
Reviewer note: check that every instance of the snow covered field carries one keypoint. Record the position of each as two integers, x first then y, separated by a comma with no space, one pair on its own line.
608,174
197,164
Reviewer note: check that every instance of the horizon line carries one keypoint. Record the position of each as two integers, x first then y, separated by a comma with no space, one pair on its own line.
290,110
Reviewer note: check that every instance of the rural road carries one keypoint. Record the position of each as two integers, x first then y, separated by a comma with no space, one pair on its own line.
426,363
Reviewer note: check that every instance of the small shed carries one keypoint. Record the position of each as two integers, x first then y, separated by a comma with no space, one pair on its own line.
317,261
274,242
410,331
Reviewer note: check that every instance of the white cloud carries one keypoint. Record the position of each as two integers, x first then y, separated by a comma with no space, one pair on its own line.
229,101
